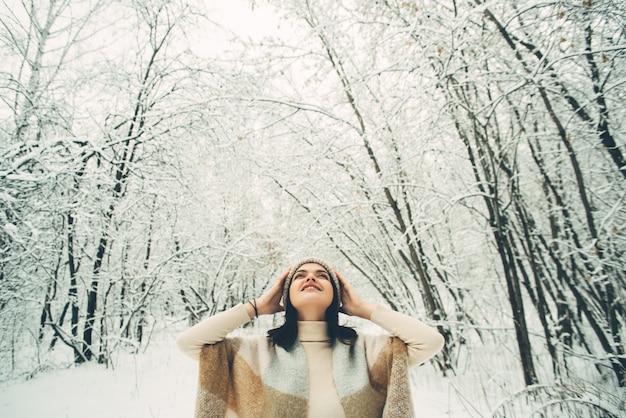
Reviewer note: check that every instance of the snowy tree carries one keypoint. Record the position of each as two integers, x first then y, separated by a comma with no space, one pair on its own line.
509,83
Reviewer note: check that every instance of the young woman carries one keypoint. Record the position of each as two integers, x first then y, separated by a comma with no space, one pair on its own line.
310,366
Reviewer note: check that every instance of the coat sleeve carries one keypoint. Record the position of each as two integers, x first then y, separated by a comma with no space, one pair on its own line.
211,330
422,341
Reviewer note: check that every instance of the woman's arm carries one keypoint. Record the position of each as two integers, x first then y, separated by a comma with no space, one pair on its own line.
215,328
422,341
212,330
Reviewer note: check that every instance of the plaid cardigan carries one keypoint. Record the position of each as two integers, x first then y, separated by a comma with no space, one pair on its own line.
249,377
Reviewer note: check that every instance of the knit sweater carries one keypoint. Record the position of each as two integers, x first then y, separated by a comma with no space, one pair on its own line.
314,378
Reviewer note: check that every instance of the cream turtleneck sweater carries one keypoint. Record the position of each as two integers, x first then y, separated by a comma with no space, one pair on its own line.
313,336
422,342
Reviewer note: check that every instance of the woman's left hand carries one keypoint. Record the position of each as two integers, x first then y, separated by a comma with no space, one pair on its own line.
353,304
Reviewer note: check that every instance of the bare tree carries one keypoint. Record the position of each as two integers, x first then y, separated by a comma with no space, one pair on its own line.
531,101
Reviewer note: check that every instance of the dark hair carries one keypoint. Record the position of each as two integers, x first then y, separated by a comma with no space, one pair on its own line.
285,335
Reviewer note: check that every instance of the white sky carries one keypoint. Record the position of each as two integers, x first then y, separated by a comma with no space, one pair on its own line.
241,18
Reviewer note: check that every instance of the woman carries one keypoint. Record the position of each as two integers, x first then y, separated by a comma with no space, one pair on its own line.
310,366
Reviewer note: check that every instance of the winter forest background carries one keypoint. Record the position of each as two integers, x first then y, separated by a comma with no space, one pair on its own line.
458,160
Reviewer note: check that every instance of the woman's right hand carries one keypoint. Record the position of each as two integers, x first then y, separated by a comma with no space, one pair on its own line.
269,302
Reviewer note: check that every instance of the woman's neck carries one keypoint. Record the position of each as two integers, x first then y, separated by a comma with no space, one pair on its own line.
311,315
313,331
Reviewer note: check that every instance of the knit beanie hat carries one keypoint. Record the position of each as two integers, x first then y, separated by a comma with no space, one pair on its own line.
331,272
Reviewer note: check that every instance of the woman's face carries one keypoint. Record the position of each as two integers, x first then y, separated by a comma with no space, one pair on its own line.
311,288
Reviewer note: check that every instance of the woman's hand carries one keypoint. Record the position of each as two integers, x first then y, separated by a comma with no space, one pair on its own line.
352,302
269,302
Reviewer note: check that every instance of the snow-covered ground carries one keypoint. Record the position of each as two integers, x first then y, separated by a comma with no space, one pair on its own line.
159,383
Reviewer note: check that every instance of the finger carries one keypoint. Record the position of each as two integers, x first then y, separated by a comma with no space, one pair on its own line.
283,276
342,280
281,279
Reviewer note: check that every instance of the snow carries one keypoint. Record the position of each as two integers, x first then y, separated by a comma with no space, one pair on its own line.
160,383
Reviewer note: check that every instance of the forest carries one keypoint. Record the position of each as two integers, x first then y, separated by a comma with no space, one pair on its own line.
461,161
